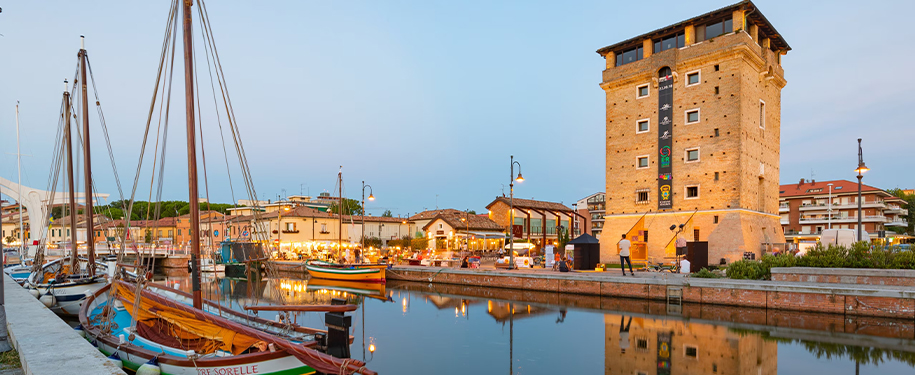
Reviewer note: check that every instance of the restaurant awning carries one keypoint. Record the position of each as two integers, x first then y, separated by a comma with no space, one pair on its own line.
481,235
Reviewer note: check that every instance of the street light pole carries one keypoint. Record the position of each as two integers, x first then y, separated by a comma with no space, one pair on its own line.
861,169
511,210
371,198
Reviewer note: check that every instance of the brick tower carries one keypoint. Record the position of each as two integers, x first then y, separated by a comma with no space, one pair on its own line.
693,122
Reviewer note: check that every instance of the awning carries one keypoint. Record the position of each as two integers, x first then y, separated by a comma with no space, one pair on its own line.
482,235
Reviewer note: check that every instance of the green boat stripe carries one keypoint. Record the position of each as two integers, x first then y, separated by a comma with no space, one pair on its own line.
342,271
304,370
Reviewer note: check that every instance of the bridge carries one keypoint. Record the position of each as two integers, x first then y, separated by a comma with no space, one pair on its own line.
37,202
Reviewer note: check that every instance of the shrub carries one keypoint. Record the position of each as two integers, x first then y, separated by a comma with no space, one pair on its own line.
419,243
746,269
706,274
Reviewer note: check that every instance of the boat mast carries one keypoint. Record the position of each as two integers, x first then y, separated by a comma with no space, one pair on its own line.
340,211
19,197
68,138
191,153
87,159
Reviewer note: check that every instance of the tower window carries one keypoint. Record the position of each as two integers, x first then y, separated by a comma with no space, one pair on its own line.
715,219
692,116
641,196
716,132
693,78
692,154
716,68
762,114
642,162
642,126
674,41
716,176
629,56
692,192
641,91
716,90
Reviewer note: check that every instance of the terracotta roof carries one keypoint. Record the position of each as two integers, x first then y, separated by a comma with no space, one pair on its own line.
532,204
425,215
474,222
813,188
187,215
168,221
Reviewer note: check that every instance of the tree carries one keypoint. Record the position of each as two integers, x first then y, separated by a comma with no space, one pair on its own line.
387,213
472,212
563,238
350,207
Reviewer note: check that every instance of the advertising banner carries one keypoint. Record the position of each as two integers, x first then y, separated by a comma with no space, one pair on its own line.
665,138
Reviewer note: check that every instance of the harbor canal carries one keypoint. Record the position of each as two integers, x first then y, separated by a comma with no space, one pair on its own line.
419,328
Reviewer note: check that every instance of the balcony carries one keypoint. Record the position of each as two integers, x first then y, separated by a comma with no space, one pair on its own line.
814,207
898,222
785,221
892,209
838,219
783,208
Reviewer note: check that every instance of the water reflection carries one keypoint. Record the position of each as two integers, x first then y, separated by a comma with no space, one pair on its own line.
415,328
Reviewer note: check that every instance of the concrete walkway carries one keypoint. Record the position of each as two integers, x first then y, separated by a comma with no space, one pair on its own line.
46,344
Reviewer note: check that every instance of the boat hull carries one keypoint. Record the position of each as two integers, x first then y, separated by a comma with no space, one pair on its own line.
369,275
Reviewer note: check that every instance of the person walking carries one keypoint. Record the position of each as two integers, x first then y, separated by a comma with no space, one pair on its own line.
624,246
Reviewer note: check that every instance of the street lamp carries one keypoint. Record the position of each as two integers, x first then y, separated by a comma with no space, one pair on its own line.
511,210
371,198
829,208
861,169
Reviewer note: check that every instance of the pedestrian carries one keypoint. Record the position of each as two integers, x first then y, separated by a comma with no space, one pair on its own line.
624,333
464,262
624,246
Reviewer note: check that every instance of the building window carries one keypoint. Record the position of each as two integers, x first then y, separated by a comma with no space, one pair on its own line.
714,29
692,192
717,133
717,90
324,228
673,41
715,219
691,351
641,162
641,91
171,233
642,126
290,227
716,176
692,116
629,56
762,114
716,68
641,196
692,154
179,232
693,78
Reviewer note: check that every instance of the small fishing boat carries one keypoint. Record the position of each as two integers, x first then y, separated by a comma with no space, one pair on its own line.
61,289
208,265
323,270
183,340
19,272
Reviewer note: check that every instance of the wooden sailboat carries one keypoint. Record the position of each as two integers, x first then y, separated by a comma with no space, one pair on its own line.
63,284
145,323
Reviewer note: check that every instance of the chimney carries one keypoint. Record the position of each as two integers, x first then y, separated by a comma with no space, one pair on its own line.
813,181
800,183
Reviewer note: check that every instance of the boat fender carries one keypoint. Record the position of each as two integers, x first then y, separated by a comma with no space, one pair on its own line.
34,292
150,368
79,330
121,340
115,359
48,299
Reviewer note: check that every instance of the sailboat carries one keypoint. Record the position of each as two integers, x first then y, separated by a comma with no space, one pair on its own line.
19,272
63,284
147,325
371,273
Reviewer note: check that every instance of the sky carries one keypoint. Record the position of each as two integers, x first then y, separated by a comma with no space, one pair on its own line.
426,101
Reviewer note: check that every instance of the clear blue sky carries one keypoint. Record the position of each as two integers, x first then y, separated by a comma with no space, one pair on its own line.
431,97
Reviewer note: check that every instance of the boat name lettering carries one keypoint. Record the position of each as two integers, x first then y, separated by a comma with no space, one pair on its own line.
240,370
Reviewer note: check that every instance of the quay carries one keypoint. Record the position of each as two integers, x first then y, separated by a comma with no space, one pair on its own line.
47,345
849,299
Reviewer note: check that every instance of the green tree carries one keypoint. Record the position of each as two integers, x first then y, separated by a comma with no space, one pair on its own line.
472,212
387,213
563,238
350,207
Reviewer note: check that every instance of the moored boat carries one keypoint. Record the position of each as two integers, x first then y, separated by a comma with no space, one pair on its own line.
61,289
352,273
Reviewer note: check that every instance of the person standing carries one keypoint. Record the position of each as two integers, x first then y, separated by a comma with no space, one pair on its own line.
624,246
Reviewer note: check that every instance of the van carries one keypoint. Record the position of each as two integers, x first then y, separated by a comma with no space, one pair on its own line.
841,237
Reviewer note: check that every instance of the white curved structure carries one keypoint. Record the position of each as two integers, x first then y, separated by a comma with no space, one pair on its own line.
36,203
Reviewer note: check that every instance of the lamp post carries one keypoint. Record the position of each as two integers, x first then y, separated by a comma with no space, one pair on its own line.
371,198
511,210
861,169
829,208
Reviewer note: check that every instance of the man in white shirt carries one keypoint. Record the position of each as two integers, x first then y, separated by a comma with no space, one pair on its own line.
624,246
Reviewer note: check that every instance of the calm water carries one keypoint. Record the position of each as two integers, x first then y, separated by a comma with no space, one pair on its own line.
437,329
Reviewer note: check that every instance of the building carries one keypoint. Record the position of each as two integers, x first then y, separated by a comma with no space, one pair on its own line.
536,221
661,345
420,220
183,225
383,228
693,126
592,208
808,207
462,230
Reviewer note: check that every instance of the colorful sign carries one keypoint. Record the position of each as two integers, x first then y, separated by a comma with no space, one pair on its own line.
665,135
664,353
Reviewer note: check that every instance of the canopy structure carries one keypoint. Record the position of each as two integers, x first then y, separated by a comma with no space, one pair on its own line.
587,252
